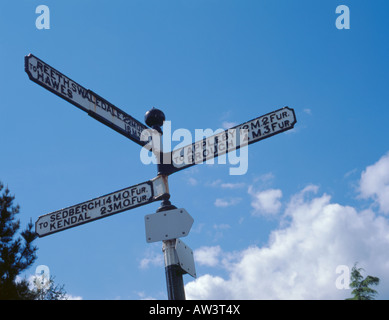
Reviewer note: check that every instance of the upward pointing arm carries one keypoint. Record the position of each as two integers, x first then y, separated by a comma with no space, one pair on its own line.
85,99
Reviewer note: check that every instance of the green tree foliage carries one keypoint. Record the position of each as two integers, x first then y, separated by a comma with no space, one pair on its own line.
49,291
362,290
17,253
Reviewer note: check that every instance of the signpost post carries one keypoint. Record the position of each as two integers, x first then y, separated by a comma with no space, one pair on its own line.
168,224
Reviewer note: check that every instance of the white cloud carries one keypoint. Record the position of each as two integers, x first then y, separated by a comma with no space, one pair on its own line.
227,202
214,183
226,185
375,183
192,181
222,226
266,202
350,173
152,259
265,178
70,297
32,286
143,296
302,255
207,256
232,185
219,230
229,124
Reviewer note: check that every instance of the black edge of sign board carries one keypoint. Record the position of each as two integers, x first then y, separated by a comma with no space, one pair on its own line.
113,126
26,69
91,113
152,199
169,169
274,133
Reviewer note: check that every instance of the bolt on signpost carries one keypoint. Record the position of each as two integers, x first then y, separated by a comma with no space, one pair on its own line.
169,224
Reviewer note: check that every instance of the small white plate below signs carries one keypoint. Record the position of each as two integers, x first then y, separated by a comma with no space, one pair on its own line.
185,258
167,225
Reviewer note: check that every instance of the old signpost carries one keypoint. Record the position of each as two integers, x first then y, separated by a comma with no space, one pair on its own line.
169,223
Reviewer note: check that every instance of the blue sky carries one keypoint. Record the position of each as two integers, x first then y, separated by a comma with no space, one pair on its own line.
312,199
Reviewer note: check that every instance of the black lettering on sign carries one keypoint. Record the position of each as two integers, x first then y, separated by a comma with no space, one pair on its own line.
270,124
53,79
70,220
94,209
125,199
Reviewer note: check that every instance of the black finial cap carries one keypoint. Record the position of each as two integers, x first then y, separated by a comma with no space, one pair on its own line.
154,118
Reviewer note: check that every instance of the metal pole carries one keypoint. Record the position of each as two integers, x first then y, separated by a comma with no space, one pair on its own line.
173,271
154,118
